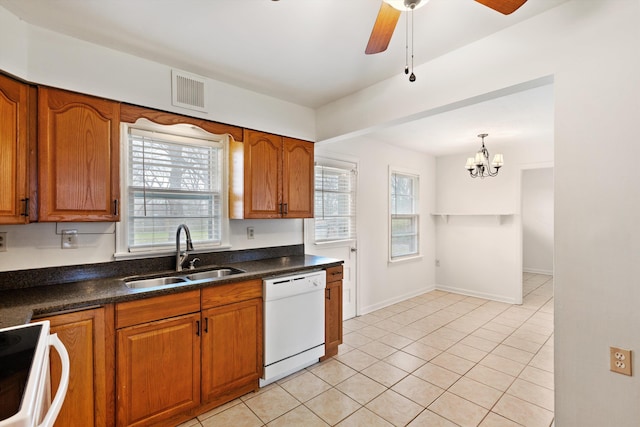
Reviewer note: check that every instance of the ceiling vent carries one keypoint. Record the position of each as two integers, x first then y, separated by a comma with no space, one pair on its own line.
188,91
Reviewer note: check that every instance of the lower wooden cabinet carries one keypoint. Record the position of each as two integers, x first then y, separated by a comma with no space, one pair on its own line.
231,349
88,337
158,373
333,312
179,355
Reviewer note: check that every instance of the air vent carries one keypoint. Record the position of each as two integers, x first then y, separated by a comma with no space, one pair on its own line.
188,91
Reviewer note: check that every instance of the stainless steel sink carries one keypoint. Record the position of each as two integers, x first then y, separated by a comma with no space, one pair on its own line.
155,282
213,274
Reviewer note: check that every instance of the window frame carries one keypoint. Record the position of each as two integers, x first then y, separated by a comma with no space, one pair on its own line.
180,131
392,258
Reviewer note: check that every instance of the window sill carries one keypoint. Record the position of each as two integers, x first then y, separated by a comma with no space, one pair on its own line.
406,259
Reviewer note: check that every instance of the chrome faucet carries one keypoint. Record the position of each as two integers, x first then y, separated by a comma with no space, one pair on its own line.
182,257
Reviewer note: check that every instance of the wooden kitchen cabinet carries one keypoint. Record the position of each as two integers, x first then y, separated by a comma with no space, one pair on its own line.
158,359
88,337
231,340
333,311
78,157
276,175
16,132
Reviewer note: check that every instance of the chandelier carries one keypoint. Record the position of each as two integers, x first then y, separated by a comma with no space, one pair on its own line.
479,166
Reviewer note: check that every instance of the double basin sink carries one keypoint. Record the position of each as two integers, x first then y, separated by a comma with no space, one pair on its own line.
155,282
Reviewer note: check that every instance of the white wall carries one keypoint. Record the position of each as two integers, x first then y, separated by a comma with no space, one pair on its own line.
481,254
382,283
591,47
537,220
597,206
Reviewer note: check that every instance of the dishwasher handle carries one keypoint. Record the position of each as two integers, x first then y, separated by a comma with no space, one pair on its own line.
61,393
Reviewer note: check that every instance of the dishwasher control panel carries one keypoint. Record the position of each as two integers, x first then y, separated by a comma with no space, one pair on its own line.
286,286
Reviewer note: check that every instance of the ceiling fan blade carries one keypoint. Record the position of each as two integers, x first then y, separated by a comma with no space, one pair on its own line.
505,7
382,29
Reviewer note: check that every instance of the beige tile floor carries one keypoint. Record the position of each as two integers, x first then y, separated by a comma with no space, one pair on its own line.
439,359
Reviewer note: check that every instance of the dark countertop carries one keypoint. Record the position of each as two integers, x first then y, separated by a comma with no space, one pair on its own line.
19,306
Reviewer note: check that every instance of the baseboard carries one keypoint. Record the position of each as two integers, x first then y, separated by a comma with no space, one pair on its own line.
400,298
537,271
484,295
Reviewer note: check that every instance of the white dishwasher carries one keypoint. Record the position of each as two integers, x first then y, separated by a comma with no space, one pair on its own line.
293,323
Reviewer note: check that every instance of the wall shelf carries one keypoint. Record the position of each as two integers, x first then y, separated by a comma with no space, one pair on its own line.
499,216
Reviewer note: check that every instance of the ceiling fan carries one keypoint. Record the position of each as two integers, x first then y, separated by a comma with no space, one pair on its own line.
390,12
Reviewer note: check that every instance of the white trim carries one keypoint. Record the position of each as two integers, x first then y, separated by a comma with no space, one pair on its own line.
397,299
537,271
484,295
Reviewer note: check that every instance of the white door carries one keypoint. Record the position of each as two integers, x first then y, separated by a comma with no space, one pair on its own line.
332,233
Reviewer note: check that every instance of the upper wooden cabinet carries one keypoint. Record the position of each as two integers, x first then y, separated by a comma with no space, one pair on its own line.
15,132
78,157
277,176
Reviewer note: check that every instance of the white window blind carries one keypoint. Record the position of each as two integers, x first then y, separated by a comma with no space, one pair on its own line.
173,180
404,219
335,203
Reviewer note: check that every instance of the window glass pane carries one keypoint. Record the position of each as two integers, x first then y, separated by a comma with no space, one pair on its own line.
404,219
171,183
335,203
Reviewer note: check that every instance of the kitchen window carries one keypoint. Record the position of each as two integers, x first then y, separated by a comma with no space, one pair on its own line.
335,201
172,179
404,224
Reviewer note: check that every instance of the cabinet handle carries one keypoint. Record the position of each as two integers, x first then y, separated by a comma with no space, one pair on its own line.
115,207
328,293
206,324
197,327
286,208
26,206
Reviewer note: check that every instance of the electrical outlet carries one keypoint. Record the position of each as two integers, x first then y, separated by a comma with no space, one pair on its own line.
250,233
620,360
69,239
3,241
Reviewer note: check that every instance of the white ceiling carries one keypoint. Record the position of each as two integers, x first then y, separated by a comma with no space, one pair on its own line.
309,52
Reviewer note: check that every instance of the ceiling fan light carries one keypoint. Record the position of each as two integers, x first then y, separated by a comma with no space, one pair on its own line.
404,5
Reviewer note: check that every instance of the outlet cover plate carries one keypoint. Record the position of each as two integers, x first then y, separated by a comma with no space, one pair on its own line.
620,360
3,241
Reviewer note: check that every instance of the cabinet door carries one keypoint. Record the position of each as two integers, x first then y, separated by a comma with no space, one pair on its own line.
231,348
262,175
158,370
88,337
14,151
78,157
333,317
297,178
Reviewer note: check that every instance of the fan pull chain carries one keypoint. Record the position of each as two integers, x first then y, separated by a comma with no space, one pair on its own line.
412,77
406,44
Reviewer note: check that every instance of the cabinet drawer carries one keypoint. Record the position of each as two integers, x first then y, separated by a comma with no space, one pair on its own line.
156,308
334,273
231,292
